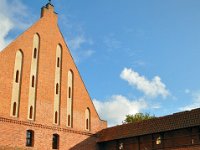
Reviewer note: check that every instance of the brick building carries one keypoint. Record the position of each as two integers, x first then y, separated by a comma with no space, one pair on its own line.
180,131
44,103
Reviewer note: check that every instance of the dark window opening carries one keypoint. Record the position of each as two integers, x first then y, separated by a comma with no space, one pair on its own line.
17,76
87,124
29,138
31,112
68,120
14,108
33,81
69,92
56,117
58,62
55,142
57,88
35,53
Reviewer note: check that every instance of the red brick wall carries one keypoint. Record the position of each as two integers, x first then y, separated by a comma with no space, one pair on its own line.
13,134
50,37
182,139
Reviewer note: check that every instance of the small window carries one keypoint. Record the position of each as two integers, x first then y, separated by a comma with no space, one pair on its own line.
69,120
29,138
121,146
57,88
14,108
33,81
55,142
87,119
31,112
56,117
158,140
69,92
87,124
17,76
35,53
58,62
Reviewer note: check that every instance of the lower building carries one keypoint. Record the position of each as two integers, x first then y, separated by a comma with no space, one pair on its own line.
180,131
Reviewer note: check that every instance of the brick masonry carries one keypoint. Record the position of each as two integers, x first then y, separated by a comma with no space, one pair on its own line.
13,130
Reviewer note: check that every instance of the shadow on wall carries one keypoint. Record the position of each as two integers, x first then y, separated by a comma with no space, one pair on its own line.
88,144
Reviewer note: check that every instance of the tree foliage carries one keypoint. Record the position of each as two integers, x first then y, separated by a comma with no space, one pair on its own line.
137,117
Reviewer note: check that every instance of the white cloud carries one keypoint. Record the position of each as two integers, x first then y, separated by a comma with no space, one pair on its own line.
13,15
195,102
117,107
76,42
152,88
112,43
78,48
5,26
187,91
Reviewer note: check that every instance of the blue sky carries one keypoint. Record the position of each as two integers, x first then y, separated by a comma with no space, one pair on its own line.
134,56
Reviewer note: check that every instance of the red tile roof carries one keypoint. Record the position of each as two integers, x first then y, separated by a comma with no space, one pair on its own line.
171,122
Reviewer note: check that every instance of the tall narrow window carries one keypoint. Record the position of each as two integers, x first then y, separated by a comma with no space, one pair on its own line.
68,120
70,99
33,81
56,117
31,112
58,62
55,141
87,119
29,138
17,76
57,84
69,92
57,88
33,76
35,53
14,108
87,124
16,84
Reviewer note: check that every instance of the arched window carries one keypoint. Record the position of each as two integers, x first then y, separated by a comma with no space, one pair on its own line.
31,113
57,84
14,108
87,119
33,81
56,117
55,141
16,84
35,53
33,77
17,76
70,98
29,138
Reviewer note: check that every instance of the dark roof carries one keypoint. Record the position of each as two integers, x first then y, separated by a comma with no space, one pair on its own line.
171,122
